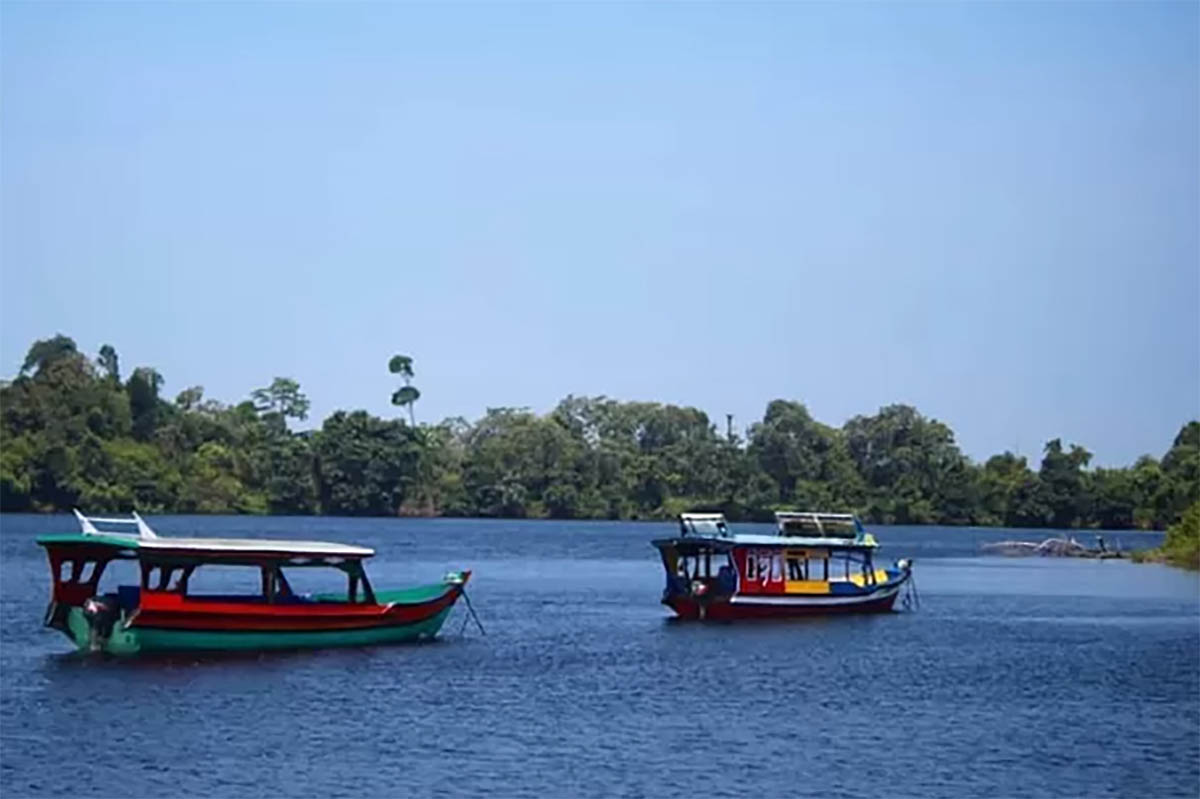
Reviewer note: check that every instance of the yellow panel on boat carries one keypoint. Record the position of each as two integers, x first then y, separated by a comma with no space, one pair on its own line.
806,587
880,577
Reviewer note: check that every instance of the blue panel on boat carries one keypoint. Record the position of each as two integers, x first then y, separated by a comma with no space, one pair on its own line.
128,596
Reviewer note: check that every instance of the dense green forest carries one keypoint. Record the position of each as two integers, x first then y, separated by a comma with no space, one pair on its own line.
1181,545
76,434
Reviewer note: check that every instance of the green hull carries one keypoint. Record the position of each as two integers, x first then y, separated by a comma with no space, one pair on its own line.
135,640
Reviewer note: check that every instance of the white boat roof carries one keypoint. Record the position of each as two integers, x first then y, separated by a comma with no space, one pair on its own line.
299,548
146,539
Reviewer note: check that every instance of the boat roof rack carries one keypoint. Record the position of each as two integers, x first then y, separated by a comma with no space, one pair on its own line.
88,527
703,524
790,520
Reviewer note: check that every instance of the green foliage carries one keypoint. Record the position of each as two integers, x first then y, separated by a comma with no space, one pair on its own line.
47,351
365,466
912,467
72,434
282,398
108,361
403,365
1182,544
1064,483
144,404
1181,547
406,395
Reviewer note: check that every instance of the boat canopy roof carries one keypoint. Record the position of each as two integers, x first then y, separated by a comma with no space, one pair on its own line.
145,540
834,530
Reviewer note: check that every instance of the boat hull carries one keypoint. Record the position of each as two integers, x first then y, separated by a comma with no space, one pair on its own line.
777,607
140,640
246,627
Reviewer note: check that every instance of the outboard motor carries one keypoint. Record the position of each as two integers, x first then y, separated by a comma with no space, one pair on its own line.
101,614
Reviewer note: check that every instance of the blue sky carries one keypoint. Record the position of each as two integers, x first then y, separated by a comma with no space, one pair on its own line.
989,211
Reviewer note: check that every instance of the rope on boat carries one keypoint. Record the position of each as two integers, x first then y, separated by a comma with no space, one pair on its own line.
473,614
912,598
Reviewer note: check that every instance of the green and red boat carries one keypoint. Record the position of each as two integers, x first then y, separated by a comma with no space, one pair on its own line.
160,614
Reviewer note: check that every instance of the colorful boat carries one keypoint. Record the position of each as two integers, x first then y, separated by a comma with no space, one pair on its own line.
815,563
162,615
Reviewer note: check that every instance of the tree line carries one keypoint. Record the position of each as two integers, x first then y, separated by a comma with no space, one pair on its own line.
75,434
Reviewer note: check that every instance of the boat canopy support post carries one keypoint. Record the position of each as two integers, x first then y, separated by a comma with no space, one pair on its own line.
355,573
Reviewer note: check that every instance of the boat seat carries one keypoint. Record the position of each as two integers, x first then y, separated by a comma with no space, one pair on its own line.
293,599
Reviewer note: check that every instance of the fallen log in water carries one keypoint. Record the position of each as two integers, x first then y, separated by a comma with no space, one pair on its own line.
1051,547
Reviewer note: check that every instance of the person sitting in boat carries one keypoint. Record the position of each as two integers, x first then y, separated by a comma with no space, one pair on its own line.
726,579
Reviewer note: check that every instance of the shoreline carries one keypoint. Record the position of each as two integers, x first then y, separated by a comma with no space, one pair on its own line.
549,519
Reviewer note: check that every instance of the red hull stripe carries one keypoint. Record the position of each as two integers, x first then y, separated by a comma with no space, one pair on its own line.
250,617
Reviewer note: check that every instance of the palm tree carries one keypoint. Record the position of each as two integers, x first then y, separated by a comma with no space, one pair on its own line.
402,365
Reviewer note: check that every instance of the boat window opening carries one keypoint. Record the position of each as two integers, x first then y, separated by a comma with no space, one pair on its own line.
808,568
816,569
81,572
119,572
857,566
764,566
214,581
282,587
179,584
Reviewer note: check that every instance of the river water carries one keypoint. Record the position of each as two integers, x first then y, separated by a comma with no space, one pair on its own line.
1017,677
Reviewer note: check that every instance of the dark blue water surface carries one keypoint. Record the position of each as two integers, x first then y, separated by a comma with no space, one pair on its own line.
1017,677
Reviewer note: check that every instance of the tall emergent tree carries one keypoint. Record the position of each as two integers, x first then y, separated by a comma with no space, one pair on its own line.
109,363
282,397
407,394
143,387
46,351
